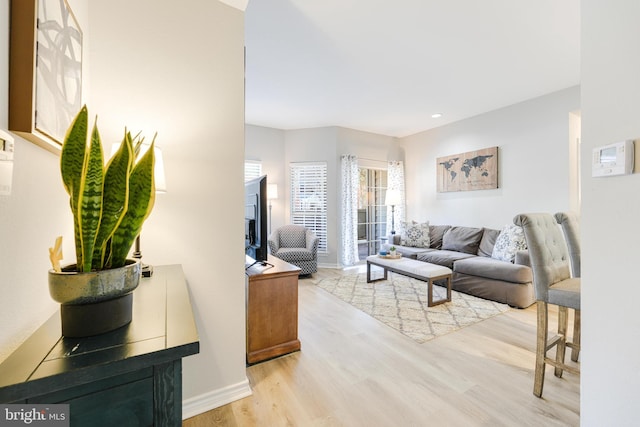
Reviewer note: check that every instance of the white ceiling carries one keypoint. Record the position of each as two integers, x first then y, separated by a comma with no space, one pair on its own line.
386,66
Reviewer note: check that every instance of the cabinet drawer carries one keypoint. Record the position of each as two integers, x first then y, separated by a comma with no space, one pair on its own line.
126,405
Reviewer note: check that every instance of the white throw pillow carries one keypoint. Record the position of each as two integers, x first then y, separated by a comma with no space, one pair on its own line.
415,234
510,241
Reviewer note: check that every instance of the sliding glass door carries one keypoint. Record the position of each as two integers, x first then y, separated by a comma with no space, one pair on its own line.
372,212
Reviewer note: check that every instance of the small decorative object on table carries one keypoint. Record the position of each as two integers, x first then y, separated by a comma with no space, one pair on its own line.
109,205
391,254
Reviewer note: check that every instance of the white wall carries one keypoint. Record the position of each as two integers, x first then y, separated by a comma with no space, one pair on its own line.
178,68
368,146
610,86
267,146
533,171
30,218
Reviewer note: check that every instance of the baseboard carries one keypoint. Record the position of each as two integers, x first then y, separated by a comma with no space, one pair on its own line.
214,399
323,265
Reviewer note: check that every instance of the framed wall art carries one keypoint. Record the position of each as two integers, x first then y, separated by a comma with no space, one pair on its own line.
474,170
45,70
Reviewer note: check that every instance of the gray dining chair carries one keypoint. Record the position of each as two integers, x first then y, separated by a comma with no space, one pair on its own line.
570,224
553,284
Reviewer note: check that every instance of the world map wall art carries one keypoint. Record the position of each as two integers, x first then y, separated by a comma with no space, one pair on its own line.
474,170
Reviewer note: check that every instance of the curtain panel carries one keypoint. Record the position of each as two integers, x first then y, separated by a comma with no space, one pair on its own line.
349,220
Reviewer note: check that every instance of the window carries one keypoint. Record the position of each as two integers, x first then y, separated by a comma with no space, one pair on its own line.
252,169
309,198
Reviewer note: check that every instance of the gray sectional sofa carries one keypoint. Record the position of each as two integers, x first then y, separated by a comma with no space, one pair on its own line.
468,252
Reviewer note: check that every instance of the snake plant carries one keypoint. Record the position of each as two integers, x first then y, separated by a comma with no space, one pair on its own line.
109,203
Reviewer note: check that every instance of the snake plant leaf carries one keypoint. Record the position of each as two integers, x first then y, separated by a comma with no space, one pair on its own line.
137,144
109,204
115,198
90,202
142,195
71,165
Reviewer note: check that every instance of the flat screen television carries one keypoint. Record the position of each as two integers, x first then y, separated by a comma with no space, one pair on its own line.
255,219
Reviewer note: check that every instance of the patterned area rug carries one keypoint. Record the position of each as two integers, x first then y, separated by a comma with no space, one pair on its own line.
401,303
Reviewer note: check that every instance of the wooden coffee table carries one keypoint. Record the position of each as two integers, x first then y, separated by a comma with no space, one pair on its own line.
413,268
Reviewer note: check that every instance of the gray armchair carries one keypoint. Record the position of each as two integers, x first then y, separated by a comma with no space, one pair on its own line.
296,245
553,285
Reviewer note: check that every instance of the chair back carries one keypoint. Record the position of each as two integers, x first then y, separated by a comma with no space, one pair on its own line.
292,236
547,251
570,224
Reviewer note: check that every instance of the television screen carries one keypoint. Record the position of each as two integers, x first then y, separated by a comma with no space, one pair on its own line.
255,218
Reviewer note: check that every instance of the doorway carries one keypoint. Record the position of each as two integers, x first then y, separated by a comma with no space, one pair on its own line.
372,212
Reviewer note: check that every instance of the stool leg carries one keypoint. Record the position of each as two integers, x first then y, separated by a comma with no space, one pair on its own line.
575,351
541,347
561,346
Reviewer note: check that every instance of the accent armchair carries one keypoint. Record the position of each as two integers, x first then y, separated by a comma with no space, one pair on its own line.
296,245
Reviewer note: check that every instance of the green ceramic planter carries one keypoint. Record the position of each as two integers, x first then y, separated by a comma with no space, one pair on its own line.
95,302
71,287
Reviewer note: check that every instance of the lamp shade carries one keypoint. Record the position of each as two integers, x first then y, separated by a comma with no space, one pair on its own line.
392,198
272,191
158,171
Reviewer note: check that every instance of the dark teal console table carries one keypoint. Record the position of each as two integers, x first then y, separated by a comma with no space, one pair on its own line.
128,377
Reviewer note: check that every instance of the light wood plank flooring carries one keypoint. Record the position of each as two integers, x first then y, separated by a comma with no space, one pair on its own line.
355,371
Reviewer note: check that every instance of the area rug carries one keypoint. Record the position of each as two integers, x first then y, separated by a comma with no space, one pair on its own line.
401,303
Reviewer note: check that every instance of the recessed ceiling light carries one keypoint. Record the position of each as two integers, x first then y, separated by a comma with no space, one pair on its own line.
436,115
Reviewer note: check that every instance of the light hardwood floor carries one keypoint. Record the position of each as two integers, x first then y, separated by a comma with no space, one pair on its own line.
355,371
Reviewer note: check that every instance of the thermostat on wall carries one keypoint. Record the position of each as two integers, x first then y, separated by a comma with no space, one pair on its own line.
613,159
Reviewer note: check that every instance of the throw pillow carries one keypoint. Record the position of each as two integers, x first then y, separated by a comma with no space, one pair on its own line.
436,232
510,241
488,242
462,239
415,234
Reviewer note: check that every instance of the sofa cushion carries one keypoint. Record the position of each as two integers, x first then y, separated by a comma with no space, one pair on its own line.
523,258
510,241
295,254
415,234
443,257
409,252
435,235
462,239
494,269
488,241
394,239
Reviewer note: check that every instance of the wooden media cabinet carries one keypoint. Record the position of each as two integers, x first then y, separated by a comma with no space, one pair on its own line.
272,309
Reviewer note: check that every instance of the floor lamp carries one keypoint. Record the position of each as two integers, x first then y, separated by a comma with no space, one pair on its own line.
272,193
392,199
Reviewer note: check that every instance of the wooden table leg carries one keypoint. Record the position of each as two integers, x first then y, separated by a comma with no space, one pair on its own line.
430,301
384,273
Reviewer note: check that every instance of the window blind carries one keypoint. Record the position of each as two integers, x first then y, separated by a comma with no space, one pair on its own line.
252,169
309,198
